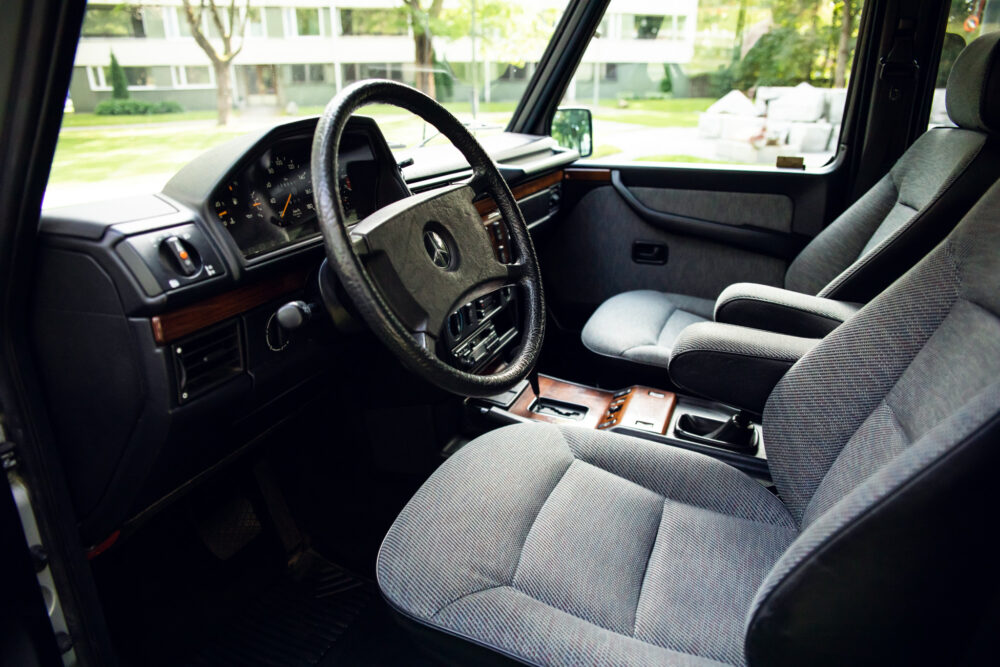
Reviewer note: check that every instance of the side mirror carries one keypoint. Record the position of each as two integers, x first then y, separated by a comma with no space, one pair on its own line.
574,128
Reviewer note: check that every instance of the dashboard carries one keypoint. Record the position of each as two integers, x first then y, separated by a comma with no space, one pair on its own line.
172,302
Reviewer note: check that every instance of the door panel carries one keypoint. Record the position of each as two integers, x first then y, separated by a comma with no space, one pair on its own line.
733,226
590,258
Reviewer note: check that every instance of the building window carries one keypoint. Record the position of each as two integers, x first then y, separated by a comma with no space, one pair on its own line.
298,73
317,74
513,73
137,77
647,27
113,21
610,71
307,22
255,22
193,76
373,22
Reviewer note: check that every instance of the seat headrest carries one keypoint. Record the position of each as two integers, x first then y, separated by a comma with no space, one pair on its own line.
973,95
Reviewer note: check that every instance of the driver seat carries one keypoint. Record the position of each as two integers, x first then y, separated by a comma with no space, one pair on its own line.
558,546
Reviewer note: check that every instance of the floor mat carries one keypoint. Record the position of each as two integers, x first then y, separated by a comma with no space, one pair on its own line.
298,621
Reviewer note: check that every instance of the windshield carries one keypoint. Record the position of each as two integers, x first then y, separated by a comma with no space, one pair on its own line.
155,85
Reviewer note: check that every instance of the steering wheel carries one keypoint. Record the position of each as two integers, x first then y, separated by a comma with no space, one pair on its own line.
412,263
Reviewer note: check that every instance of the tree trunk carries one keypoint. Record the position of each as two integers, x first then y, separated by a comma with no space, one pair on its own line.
843,47
223,91
424,61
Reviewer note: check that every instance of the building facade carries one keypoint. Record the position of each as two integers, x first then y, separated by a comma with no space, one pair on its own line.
304,51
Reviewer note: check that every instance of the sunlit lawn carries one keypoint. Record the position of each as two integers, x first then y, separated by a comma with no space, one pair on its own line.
82,119
654,113
98,155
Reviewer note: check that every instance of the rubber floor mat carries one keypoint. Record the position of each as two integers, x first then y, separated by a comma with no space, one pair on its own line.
296,622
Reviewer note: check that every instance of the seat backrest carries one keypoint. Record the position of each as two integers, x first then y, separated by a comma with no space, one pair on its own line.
903,216
884,443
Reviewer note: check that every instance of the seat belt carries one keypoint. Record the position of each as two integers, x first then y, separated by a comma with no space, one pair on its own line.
892,106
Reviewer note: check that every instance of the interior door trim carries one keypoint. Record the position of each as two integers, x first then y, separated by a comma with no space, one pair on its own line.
750,237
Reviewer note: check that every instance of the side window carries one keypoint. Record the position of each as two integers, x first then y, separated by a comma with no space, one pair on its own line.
738,82
967,20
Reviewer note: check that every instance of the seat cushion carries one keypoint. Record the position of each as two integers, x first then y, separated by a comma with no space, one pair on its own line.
643,325
567,546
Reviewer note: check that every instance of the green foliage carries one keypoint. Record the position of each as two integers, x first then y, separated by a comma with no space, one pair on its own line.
667,82
782,57
119,82
119,107
571,128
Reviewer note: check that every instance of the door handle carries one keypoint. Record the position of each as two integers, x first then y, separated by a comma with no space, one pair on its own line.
646,252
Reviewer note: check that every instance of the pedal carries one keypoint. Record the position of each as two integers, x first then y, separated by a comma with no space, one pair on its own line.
228,526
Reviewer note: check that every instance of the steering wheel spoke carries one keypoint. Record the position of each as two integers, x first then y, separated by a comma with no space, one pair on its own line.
411,264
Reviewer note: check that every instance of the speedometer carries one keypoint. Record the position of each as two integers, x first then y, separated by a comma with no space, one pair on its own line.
289,191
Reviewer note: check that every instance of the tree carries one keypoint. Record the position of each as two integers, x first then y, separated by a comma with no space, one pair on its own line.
231,25
119,82
421,18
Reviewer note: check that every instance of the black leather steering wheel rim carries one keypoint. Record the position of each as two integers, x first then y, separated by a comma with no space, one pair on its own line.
414,350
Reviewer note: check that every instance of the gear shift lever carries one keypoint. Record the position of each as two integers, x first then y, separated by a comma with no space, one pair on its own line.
533,381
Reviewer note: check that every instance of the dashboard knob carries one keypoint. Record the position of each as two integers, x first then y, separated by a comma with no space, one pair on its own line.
294,315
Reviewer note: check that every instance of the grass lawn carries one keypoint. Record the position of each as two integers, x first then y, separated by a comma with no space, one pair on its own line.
89,156
684,158
604,151
655,113
93,120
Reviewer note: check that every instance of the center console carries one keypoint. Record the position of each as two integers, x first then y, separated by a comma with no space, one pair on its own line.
639,411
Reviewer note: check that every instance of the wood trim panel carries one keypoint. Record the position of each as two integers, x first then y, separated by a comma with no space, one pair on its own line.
581,174
487,206
595,400
643,408
179,323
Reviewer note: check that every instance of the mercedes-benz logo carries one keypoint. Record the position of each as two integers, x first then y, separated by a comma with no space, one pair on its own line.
437,249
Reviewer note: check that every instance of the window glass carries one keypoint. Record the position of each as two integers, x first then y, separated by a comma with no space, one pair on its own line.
474,56
373,21
307,21
967,20
198,76
113,21
718,81
255,22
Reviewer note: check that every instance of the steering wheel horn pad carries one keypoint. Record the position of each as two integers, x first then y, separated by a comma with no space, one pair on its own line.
408,265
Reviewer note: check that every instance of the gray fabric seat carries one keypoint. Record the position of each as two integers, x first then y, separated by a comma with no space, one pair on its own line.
563,546
872,243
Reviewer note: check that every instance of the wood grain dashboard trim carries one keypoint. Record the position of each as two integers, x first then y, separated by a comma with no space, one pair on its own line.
487,206
183,321
582,174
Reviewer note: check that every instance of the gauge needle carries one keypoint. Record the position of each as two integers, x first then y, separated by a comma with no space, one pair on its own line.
287,202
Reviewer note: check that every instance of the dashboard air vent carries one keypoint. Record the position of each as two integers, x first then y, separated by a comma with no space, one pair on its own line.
207,359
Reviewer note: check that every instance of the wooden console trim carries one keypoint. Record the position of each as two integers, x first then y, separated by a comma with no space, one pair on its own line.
179,323
595,400
487,206
643,408
582,174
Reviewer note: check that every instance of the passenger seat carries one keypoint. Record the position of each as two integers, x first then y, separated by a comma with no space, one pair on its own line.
873,242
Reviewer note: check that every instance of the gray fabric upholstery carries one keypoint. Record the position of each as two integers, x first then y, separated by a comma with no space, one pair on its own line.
642,326
973,95
735,365
885,213
897,221
766,211
780,310
569,546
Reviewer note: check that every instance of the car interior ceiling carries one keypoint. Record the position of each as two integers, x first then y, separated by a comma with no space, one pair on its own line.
234,443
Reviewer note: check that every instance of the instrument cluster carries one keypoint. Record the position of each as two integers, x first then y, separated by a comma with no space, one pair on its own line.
268,204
